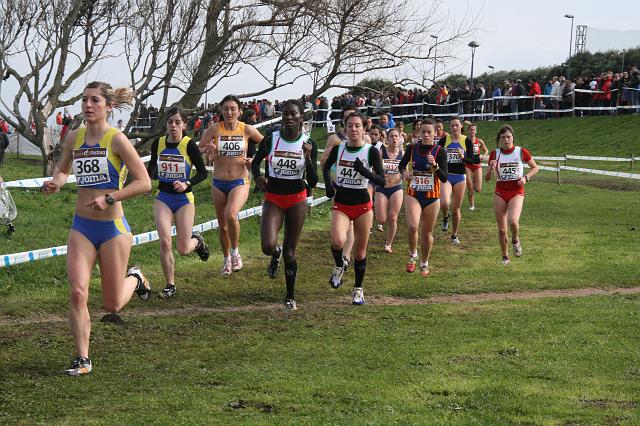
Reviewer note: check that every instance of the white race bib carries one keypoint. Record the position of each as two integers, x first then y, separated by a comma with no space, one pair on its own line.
391,166
231,146
476,149
509,171
91,166
453,156
422,181
171,167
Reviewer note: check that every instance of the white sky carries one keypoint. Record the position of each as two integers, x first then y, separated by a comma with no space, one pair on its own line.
511,34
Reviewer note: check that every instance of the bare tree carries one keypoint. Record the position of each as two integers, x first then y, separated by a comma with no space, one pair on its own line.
47,46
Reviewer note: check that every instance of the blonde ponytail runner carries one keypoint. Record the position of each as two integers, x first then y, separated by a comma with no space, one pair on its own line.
123,98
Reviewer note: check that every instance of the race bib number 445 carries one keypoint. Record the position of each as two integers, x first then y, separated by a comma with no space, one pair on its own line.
91,166
509,171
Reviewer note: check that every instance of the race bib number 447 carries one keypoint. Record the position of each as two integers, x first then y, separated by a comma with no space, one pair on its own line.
91,166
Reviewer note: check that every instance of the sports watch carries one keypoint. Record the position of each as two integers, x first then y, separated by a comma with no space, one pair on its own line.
109,199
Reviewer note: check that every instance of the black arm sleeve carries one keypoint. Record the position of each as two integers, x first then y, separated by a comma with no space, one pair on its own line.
197,161
405,159
259,156
312,165
375,161
468,152
326,169
153,162
251,149
443,167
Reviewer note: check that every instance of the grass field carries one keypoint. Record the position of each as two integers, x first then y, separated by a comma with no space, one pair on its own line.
224,351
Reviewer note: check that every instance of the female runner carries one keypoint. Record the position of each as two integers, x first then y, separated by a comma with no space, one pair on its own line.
354,160
291,156
335,140
474,170
172,158
458,149
227,145
424,165
100,231
388,201
507,164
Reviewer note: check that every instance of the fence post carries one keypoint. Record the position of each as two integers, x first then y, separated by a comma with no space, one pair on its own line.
565,158
558,173
632,161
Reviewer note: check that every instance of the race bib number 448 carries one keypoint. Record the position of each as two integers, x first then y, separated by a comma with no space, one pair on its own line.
91,166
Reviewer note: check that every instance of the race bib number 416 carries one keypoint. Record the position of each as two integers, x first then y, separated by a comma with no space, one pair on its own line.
422,181
91,166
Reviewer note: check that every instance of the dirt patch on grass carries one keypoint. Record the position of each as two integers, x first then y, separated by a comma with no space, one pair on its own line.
609,403
190,310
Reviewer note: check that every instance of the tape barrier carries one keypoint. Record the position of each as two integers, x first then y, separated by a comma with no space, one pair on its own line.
7,260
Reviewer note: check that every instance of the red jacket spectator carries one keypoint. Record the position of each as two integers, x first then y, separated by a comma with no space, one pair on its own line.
534,89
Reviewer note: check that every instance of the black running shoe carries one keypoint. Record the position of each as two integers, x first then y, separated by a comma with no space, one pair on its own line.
167,292
274,264
143,289
290,305
80,366
202,250
445,223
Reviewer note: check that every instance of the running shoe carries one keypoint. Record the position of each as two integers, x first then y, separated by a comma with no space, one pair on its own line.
290,305
274,264
445,223
236,262
143,289
380,228
79,367
336,277
358,296
167,292
388,249
226,267
454,240
424,270
202,250
505,260
517,249
345,261
411,264
472,208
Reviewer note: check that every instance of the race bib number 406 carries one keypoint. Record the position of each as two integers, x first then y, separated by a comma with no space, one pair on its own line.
231,146
91,166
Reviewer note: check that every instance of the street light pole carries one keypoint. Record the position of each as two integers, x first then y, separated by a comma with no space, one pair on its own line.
473,46
570,41
435,57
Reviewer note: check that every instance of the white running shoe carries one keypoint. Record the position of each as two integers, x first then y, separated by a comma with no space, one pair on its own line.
290,305
505,260
336,277
143,289
388,249
455,240
472,208
517,249
380,228
358,296
226,267
236,262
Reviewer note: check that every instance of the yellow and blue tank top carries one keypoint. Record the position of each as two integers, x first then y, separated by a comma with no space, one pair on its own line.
454,159
97,166
173,163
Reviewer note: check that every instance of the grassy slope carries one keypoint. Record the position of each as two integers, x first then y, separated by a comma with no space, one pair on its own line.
537,362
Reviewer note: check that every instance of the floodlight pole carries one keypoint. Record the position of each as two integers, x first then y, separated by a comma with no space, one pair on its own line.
435,57
570,40
473,46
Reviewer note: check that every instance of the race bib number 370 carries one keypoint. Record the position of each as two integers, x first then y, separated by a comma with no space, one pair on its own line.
91,166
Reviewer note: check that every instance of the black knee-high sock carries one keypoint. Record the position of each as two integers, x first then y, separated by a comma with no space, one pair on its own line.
360,266
290,271
337,257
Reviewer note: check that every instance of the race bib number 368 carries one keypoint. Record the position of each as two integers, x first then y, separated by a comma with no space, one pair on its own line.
91,166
